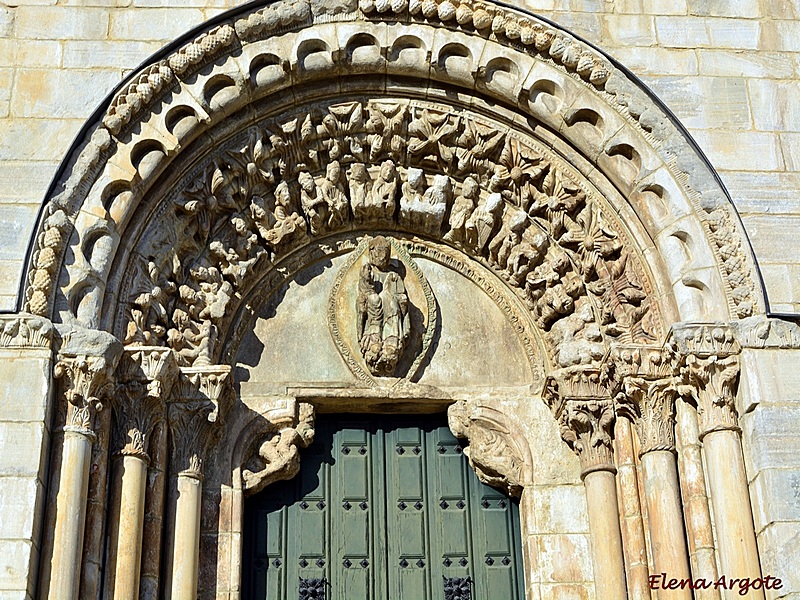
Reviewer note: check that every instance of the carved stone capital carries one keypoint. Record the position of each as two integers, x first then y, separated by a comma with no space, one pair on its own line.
145,378
579,384
491,452
87,381
713,381
85,364
277,456
650,404
200,398
709,355
588,427
649,383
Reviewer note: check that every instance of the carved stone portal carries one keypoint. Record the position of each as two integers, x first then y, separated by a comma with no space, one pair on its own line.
382,312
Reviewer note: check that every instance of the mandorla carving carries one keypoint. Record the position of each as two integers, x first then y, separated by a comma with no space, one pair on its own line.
381,310
441,174
277,457
88,381
145,377
490,452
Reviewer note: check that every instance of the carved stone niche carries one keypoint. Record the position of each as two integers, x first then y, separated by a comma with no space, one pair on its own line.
275,455
494,450
382,312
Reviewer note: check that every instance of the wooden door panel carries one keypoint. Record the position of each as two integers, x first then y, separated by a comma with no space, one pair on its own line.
383,509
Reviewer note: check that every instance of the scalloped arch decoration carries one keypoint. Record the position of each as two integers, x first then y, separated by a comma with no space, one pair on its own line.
305,81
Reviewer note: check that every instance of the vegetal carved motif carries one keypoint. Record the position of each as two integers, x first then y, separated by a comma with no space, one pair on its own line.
443,174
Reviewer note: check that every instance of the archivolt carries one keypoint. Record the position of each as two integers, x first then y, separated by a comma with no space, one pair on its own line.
214,165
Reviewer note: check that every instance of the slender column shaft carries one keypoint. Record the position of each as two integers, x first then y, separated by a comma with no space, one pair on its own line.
665,519
698,517
70,516
154,518
186,545
128,551
609,564
733,515
630,506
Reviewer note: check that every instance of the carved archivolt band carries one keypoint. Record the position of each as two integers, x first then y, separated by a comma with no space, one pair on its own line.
529,65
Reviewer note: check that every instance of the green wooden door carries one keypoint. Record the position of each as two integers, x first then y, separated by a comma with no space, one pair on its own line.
384,508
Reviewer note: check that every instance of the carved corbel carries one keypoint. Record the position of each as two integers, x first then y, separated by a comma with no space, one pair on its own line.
201,397
649,384
710,367
581,400
86,363
277,457
491,452
145,378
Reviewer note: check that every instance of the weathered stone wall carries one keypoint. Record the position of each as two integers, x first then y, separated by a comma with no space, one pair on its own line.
729,71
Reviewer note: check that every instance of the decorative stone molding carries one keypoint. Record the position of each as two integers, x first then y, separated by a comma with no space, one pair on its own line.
762,332
201,397
86,363
145,377
649,384
277,456
710,365
492,451
25,331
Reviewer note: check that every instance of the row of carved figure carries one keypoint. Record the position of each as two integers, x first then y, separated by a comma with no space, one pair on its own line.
510,207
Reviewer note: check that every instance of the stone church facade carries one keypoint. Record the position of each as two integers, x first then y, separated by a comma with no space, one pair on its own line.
463,240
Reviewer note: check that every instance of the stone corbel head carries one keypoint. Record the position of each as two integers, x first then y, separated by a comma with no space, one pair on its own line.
492,451
277,456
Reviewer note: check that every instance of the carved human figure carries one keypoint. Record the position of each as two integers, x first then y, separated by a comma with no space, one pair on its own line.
507,238
383,324
462,210
526,255
359,184
381,202
280,225
314,205
332,191
423,207
480,225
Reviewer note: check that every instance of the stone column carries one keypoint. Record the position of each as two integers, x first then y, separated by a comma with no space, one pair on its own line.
711,367
581,400
87,381
194,414
145,376
649,388
634,541
702,552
